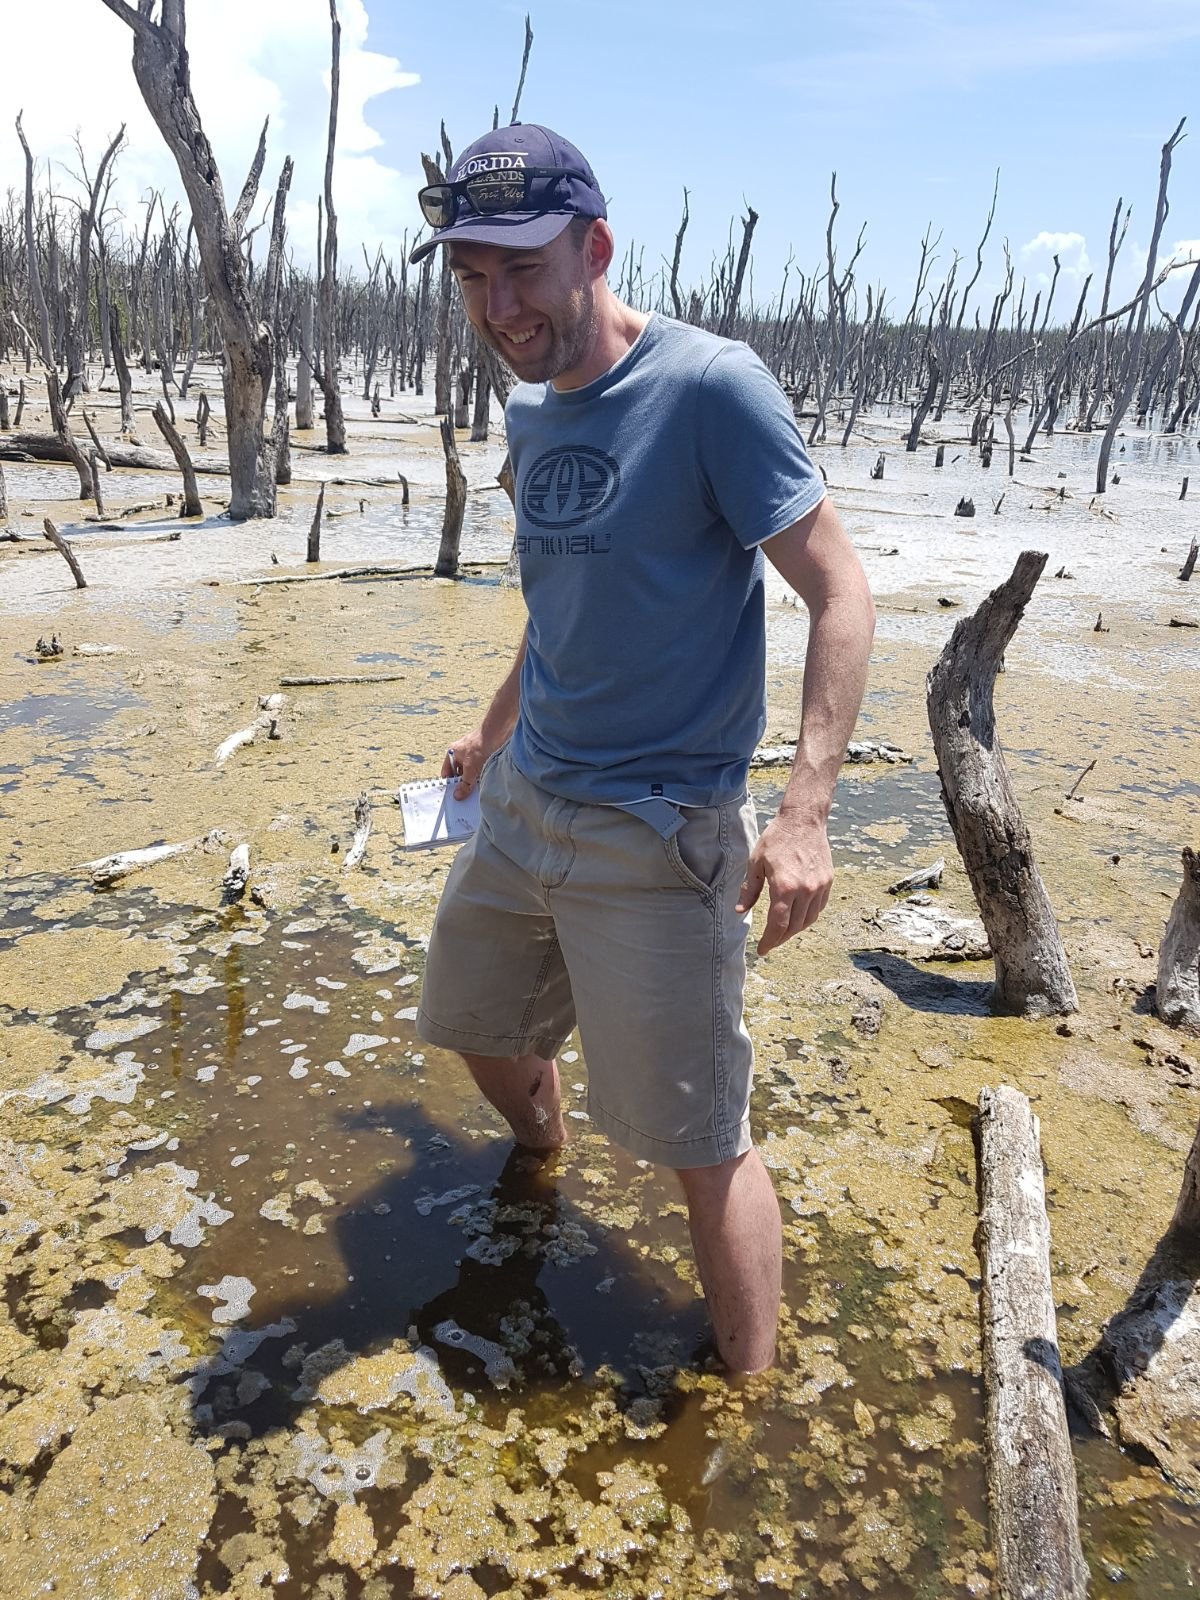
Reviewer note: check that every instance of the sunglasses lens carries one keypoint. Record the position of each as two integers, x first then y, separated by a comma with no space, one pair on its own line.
492,192
437,205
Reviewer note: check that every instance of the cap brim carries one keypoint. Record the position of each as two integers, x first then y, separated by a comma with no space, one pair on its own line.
510,230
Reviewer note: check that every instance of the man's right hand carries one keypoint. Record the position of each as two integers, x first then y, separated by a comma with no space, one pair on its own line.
464,760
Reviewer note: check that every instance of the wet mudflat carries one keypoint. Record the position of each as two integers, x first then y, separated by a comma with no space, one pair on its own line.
284,1312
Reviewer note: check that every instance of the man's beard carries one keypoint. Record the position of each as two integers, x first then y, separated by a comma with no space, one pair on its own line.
571,333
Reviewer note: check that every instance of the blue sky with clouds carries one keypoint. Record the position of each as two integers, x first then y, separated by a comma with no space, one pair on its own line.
914,102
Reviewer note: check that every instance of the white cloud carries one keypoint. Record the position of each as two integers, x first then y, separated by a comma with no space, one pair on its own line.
249,60
1070,248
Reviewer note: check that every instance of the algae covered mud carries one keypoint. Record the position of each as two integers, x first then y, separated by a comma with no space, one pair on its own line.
283,1311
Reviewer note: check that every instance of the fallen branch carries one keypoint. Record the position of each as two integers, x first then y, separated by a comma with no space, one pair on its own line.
925,878
111,869
322,683
362,832
65,551
269,708
1070,794
1030,1468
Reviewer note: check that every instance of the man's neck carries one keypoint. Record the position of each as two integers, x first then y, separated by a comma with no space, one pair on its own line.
617,329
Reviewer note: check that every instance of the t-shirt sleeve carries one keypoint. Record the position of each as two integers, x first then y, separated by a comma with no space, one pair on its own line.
755,468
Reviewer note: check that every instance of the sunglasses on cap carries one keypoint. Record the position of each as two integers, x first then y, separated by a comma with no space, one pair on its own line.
489,193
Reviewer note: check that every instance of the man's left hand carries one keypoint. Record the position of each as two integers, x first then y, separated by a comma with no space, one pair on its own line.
792,858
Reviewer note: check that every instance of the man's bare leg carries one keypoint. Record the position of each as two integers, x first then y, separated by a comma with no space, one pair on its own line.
525,1091
737,1234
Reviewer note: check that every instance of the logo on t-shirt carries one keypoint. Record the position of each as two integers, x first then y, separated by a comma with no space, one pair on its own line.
569,485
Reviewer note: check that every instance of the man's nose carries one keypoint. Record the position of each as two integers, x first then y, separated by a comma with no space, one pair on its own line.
502,299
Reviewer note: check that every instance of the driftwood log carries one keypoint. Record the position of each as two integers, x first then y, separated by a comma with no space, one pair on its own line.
48,447
1177,990
269,707
65,551
1032,976
1030,1470
111,869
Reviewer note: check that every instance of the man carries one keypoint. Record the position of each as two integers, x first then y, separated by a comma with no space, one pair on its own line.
611,880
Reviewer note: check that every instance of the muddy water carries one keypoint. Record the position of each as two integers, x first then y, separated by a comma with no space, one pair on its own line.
281,1308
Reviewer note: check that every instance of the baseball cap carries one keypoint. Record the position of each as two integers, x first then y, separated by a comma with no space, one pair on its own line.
502,164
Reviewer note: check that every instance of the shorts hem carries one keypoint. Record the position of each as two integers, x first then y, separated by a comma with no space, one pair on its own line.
486,1044
711,1150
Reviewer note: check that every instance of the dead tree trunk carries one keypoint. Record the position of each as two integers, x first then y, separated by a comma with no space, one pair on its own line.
3,497
1177,993
191,506
1134,353
926,405
77,328
456,505
1187,1208
335,422
160,65
124,381
304,366
314,532
31,260
1032,1492
1032,976
66,438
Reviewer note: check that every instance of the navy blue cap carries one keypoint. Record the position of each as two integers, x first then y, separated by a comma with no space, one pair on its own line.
507,150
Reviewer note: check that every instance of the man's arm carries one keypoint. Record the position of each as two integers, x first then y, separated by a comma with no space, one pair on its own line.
468,754
815,557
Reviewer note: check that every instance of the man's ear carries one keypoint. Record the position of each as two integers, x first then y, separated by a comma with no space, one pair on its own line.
600,247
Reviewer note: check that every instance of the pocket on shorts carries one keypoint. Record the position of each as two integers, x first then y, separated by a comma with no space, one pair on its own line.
697,851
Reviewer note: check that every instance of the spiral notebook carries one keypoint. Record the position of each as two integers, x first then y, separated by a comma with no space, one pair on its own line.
433,816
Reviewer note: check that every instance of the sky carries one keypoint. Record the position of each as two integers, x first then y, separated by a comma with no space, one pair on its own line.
914,103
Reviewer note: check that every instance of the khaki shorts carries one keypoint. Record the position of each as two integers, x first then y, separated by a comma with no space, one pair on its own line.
556,913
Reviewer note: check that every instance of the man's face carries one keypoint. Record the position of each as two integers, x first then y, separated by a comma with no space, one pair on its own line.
535,307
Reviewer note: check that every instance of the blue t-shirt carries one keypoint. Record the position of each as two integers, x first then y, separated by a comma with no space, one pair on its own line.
641,501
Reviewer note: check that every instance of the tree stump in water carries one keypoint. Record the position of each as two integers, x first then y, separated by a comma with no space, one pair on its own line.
1177,991
456,505
1032,976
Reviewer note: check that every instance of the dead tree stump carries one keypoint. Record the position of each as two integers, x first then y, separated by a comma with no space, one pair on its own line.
65,551
191,506
1189,566
877,469
1032,976
1032,1492
456,505
314,532
1177,992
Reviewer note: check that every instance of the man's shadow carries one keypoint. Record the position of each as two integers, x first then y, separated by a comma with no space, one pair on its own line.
477,1237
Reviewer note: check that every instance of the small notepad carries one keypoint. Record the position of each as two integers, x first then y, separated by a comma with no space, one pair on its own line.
433,816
